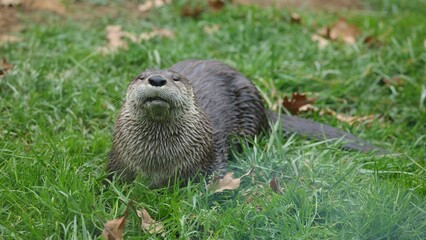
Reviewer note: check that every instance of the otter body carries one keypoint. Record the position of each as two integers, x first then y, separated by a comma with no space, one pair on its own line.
177,122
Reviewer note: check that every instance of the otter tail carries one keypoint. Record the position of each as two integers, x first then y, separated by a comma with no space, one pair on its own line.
318,131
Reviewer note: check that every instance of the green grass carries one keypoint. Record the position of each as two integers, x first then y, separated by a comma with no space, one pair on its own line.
59,103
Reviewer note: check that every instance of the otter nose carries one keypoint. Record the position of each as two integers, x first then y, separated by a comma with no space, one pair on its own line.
157,81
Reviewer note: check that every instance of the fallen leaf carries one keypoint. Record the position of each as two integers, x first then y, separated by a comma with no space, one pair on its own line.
210,29
191,10
4,67
9,39
295,18
322,42
372,42
215,5
116,36
354,119
228,182
114,229
394,81
151,4
275,185
308,107
156,33
297,101
149,224
115,41
349,119
341,30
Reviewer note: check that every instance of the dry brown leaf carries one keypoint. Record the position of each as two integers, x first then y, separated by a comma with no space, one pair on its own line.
228,182
341,30
114,229
349,119
354,119
156,33
296,102
322,42
275,185
4,67
371,41
149,224
9,39
116,36
394,81
308,107
210,29
190,10
115,41
151,4
215,5
295,18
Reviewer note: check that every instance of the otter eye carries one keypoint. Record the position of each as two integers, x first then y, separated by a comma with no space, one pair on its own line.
176,78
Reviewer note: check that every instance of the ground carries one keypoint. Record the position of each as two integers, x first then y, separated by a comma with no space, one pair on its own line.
62,83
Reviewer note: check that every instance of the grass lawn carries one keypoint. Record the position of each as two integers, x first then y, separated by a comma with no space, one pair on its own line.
59,102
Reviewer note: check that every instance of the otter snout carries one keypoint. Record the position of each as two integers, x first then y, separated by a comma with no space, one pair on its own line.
157,81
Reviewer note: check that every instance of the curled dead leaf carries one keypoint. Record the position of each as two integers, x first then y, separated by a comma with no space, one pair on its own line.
321,41
190,9
161,32
149,224
354,119
276,186
116,36
228,182
215,5
295,18
371,41
349,119
114,229
4,67
394,81
298,103
341,30
9,39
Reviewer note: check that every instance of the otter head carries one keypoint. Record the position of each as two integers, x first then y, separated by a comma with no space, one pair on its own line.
159,95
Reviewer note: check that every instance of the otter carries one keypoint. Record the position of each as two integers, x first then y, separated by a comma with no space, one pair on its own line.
178,122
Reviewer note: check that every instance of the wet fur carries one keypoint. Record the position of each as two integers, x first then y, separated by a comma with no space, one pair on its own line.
215,103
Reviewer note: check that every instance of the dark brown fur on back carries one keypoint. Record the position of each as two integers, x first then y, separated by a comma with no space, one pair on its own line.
231,102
